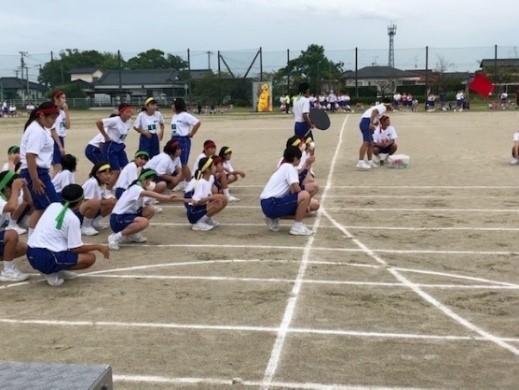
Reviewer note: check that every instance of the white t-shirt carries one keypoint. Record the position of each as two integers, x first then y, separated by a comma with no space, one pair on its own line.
203,188
92,189
130,201
37,140
97,140
301,106
128,175
62,179
5,167
45,234
182,123
162,164
516,136
379,107
59,124
116,129
227,166
150,123
280,182
195,165
388,134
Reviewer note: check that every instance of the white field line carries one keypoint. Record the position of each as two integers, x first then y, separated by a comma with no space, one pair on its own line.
126,378
243,328
427,297
406,228
277,349
408,187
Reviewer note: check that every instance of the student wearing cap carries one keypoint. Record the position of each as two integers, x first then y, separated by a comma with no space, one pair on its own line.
98,201
368,122
55,247
167,167
10,246
384,139
59,130
131,215
231,174
283,196
183,127
301,108
150,125
117,128
201,202
130,172
36,150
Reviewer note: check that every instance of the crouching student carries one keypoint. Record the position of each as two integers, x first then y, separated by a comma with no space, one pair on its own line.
130,172
168,167
202,204
232,174
10,246
99,202
130,215
283,197
55,246
384,138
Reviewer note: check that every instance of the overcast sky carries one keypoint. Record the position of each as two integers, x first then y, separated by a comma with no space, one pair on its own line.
173,26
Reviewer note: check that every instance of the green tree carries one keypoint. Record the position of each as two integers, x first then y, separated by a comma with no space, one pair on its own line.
156,59
57,71
314,67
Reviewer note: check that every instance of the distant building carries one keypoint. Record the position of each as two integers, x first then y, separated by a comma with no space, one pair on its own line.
13,88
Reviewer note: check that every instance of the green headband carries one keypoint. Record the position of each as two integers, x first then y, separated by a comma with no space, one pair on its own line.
61,216
147,174
13,149
6,179
142,153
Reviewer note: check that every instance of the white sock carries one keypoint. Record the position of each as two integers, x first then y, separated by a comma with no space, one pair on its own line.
87,222
8,265
361,161
204,219
12,223
298,224
226,192
118,235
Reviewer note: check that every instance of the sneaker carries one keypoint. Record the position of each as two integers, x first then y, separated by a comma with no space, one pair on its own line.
376,160
158,210
212,222
363,165
113,242
201,226
180,187
232,199
67,275
301,231
13,275
17,228
53,279
98,225
89,231
272,223
137,237
372,164
513,161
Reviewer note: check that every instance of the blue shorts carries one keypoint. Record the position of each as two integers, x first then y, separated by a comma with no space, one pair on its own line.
280,207
2,233
115,154
118,192
152,145
94,154
194,213
185,146
48,262
41,202
56,155
367,136
302,130
119,222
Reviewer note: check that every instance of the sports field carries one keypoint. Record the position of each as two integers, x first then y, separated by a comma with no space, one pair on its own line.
411,279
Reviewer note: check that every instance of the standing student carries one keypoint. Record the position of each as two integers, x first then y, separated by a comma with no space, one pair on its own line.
150,125
183,127
117,128
131,215
202,204
55,247
284,197
301,108
368,122
36,150
59,130
10,246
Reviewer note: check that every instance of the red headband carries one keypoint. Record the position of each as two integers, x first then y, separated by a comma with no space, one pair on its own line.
126,108
47,111
57,94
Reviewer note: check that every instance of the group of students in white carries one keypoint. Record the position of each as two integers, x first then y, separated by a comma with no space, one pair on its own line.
57,211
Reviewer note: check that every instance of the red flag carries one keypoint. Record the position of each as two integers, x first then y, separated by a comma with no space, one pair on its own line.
482,85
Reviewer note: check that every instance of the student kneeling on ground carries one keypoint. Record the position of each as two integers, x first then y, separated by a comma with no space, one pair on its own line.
55,246
284,197
384,139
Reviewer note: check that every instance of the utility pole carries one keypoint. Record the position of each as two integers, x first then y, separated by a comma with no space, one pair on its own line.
209,53
23,54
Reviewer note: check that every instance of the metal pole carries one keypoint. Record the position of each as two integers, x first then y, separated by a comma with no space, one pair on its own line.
120,74
356,71
426,70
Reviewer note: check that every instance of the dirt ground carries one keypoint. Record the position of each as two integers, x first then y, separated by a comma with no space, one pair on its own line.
410,280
